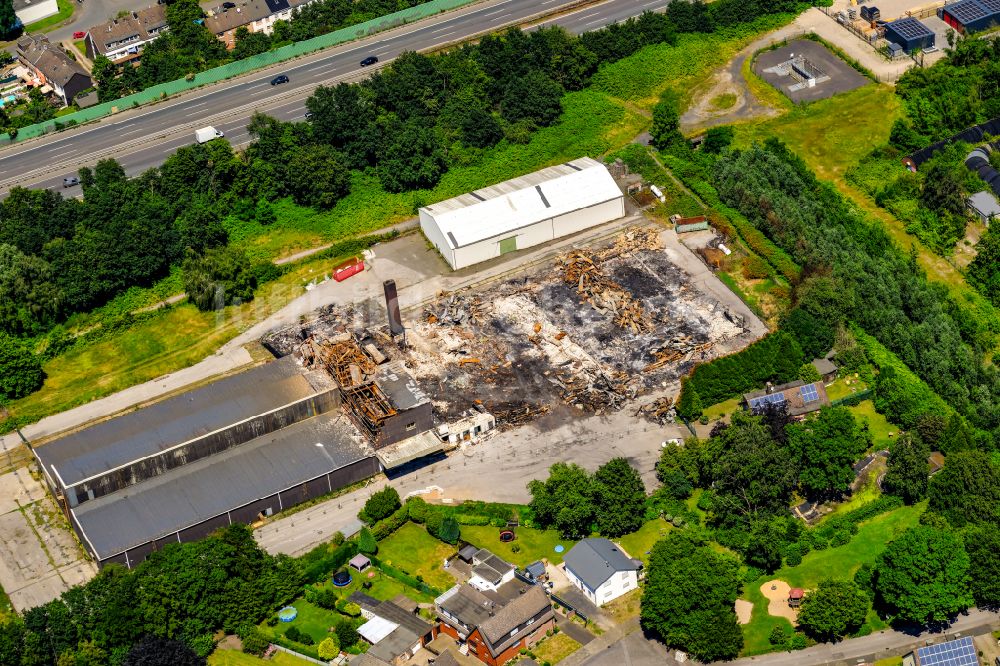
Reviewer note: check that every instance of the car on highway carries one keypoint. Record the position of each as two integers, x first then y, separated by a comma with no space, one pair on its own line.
70,181
79,34
278,80
370,60
229,5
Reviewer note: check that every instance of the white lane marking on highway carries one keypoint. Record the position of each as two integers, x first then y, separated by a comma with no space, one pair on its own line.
52,150
597,20
496,11
133,131
448,33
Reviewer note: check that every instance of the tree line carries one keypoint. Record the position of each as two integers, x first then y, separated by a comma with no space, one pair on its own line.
856,273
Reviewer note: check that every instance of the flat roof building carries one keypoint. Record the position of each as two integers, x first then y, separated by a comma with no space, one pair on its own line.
910,34
29,11
523,212
969,16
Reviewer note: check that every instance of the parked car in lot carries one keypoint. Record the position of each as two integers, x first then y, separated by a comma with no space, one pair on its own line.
370,60
79,35
70,181
229,5
278,80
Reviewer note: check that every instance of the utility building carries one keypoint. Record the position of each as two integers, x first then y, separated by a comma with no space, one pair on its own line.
910,34
522,212
968,16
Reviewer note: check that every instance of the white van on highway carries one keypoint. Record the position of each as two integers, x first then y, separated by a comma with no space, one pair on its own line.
207,134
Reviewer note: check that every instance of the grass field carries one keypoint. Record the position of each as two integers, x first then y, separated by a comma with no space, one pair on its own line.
839,563
311,620
234,658
555,648
176,338
416,552
66,9
717,411
841,388
532,544
638,544
831,135
882,431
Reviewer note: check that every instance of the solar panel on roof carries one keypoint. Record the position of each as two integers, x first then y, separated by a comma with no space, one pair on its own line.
910,28
765,400
809,393
992,6
959,652
967,11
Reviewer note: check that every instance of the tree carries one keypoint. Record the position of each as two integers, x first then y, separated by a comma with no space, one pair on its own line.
833,610
535,98
347,635
983,544
689,404
10,25
967,490
20,370
220,277
717,139
665,132
450,531
564,501
619,498
764,548
907,469
410,155
159,651
328,648
366,542
825,448
754,476
381,504
983,272
317,177
253,640
688,598
922,576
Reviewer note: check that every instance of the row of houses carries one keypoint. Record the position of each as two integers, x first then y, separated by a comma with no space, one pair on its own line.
123,38
51,68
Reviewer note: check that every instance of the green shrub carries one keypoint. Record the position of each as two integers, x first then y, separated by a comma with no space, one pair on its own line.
380,505
778,636
384,528
755,268
327,649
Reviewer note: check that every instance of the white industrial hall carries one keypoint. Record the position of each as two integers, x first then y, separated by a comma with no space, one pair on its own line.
522,212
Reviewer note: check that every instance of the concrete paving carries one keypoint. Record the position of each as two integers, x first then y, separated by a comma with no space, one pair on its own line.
39,557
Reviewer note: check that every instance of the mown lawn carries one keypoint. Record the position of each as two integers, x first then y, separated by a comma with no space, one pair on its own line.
638,544
311,620
840,563
883,432
555,648
717,411
842,389
416,552
234,658
531,544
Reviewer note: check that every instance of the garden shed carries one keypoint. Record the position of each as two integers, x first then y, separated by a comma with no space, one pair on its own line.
360,562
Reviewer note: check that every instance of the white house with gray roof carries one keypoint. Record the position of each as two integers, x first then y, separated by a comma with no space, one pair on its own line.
602,570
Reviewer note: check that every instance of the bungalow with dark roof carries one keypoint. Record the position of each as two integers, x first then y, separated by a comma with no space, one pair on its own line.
496,624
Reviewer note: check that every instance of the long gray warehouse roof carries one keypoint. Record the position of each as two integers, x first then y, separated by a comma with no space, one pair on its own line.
149,430
191,494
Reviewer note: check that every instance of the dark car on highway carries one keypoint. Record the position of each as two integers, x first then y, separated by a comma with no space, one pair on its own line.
70,181
370,60
281,78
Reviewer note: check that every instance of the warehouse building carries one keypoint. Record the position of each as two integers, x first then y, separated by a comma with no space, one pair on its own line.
910,34
523,212
236,450
969,16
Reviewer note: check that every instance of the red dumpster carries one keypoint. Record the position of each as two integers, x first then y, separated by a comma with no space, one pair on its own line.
348,268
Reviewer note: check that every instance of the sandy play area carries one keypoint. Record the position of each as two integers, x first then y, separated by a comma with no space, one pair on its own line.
776,592
744,609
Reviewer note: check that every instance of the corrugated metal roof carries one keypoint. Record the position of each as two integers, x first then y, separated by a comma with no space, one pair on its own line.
193,493
159,426
502,208
377,628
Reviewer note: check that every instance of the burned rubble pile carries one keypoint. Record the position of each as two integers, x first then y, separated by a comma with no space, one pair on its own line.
592,333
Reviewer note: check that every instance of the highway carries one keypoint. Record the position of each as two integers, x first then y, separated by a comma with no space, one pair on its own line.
144,137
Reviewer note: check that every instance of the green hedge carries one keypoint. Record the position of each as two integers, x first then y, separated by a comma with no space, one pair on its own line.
324,559
774,358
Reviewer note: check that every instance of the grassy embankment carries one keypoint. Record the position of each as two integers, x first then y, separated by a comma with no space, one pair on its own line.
595,122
